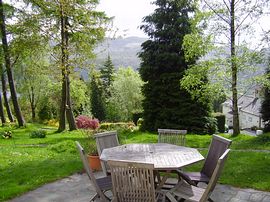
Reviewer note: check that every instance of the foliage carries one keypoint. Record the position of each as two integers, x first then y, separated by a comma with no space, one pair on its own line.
97,97
226,39
47,110
92,148
136,116
38,134
80,97
107,73
139,122
119,126
166,105
7,134
126,96
52,122
85,122
220,121
76,27
265,108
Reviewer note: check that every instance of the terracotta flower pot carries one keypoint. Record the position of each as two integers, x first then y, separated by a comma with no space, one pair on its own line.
94,162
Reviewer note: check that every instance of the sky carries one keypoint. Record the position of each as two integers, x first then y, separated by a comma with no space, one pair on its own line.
128,15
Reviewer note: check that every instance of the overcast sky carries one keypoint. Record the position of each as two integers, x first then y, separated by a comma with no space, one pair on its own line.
128,14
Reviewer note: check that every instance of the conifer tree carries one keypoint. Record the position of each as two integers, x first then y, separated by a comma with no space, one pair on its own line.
265,108
166,104
97,101
107,72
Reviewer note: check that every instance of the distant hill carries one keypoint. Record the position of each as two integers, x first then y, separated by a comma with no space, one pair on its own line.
123,52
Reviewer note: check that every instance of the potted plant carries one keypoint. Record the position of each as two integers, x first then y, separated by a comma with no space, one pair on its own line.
88,126
93,157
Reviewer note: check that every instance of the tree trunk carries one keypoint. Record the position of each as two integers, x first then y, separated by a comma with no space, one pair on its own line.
12,87
4,89
2,115
236,128
32,103
70,115
62,116
66,108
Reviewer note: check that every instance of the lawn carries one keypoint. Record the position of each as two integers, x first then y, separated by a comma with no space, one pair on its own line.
27,163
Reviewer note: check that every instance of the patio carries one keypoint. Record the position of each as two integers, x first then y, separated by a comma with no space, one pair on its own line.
78,188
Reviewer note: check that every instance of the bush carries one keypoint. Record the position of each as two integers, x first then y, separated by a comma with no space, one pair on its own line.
117,126
136,116
52,122
254,128
220,121
85,122
139,122
7,134
38,134
211,126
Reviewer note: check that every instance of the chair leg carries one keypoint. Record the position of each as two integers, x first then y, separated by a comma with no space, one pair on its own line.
94,197
209,199
170,197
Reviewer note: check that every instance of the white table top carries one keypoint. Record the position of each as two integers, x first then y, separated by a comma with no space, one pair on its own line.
163,156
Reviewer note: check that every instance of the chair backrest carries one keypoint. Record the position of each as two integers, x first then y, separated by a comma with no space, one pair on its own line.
132,181
106,140
217,147
89,171
215,176
171,136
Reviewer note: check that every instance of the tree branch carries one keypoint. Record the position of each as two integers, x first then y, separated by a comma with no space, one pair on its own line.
212,9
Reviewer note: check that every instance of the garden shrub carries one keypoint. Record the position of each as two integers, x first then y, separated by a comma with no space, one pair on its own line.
52,122
38,134
254,128
136,116
47,112
220,121
85,122
117,126
212,125
7,134
139,122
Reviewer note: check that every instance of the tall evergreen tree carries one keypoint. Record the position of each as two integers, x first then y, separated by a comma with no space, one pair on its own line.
107,75
76,26
166,104
97,101
265,108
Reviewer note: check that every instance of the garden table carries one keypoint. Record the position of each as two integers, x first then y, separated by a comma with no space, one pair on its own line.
164,156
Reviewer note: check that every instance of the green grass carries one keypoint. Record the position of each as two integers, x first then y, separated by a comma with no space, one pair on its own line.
27,163
243,169
242,141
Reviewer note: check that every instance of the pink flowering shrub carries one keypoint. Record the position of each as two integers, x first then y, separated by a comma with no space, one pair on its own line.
85,122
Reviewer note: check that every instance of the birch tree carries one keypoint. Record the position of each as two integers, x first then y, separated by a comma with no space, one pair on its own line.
230,42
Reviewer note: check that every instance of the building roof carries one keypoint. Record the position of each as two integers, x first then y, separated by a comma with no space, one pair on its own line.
247,104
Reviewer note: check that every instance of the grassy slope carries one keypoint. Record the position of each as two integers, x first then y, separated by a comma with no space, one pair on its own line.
26,163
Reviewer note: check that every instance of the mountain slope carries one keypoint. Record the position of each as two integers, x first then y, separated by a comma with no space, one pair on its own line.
123,52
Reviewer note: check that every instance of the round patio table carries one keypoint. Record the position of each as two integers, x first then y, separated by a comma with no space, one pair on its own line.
163,156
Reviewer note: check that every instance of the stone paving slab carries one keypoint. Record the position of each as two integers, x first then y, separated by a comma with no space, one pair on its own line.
77,188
